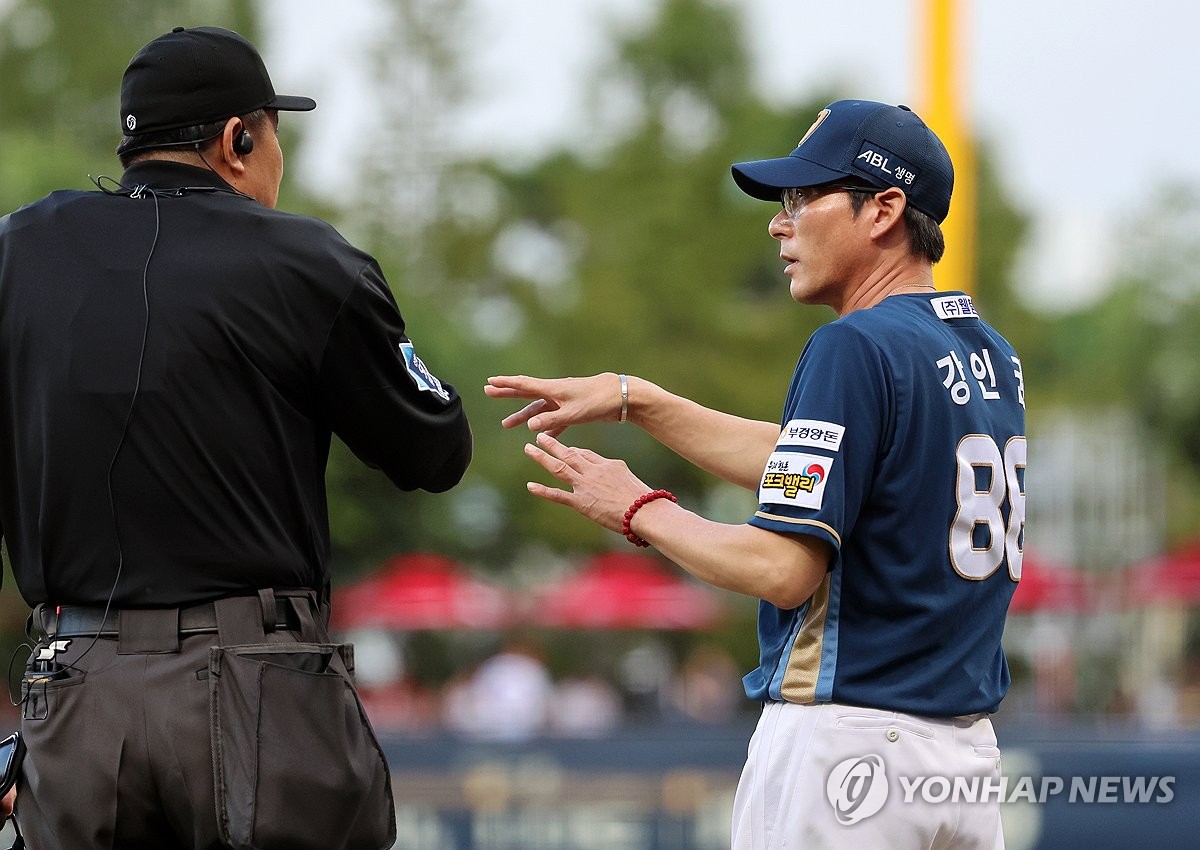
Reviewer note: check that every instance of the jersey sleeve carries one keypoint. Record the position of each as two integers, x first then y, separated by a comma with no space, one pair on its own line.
837,412
383,401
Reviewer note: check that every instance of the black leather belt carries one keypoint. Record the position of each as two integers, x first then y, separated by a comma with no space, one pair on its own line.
75,621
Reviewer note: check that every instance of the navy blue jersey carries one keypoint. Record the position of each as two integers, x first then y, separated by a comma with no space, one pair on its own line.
903,446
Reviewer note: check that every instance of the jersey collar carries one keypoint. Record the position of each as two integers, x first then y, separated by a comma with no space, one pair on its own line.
166,175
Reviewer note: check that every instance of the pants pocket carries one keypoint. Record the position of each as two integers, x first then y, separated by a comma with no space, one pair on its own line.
295,762
876,722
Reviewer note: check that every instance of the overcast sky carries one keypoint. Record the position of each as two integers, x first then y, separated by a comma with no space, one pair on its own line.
1088,104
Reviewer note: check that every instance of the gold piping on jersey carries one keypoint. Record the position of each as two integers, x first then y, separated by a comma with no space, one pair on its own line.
794,521
804,661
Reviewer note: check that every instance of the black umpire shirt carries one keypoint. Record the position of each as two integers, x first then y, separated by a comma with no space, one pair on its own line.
172,366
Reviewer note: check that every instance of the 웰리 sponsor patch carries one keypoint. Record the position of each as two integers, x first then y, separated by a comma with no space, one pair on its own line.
795,479
954,307
812,432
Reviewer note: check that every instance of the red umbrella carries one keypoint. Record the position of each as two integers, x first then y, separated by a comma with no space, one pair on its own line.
1047,586
421,591
626,590
1173,577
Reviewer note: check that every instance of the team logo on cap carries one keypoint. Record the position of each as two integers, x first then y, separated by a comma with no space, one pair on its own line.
821,116
130,121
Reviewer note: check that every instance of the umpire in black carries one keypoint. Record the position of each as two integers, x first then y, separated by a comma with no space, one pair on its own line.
174,357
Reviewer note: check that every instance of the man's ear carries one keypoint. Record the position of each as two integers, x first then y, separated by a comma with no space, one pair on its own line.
888,211
231,151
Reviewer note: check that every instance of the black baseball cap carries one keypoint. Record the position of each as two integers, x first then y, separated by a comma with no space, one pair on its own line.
878,144
195,76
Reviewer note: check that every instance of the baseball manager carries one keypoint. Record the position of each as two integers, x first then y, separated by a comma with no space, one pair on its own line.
888,536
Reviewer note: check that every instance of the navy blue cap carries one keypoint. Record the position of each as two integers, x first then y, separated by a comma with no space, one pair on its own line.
880,144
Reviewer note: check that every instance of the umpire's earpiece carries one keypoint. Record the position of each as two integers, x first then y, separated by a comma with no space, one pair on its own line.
243,144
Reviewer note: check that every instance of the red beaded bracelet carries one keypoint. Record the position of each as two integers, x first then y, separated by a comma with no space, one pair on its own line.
635,507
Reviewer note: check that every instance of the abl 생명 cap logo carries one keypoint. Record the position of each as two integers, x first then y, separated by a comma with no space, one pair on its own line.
857,788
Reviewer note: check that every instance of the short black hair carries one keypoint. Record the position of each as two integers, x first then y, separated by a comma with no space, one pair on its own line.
925,237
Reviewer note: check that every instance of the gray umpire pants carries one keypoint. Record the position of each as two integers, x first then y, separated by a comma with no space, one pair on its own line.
246,735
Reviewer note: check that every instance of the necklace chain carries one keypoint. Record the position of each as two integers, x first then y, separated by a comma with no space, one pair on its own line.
910,286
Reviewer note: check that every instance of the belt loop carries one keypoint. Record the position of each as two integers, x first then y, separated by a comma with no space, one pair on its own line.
305,608
36,626
324,602
311,627
266,598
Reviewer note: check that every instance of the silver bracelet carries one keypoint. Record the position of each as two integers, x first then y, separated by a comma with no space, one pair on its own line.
624,399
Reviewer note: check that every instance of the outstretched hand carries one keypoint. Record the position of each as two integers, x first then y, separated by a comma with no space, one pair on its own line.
601,489
558,402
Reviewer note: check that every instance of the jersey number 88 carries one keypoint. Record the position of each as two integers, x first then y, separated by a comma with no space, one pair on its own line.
979,519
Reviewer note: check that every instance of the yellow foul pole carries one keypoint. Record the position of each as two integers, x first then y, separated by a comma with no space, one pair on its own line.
940,47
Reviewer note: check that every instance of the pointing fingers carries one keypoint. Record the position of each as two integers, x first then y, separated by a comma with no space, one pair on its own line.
559,460
525,414
556,466
512,386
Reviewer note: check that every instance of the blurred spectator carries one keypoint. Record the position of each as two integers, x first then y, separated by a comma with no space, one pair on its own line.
646,671
708,687
378,656
1054,675
506,699
1158,704
584,707
458,703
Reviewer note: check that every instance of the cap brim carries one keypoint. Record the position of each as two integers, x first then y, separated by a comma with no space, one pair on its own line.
291,103
766,179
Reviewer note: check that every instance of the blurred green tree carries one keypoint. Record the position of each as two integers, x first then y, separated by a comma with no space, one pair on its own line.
632,250
61,64
1135,348
635,253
